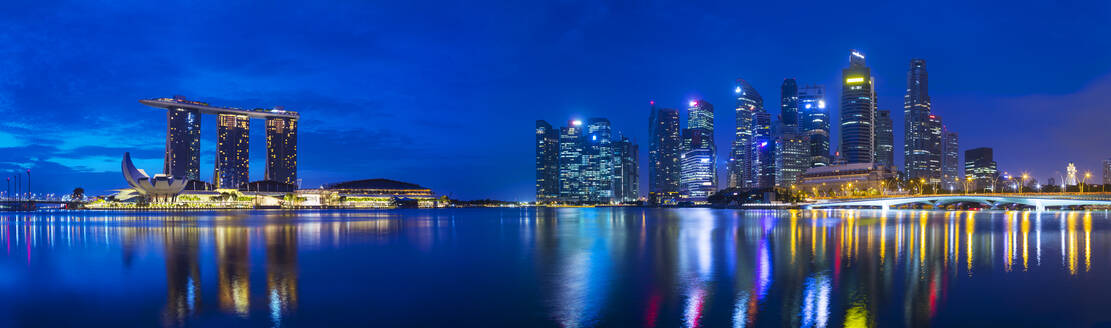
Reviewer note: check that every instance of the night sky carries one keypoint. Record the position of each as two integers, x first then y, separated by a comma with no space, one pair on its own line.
445,94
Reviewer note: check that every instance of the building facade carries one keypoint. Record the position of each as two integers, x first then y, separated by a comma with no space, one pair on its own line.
814,124
741,156
885,139
791,159
922,129
858,111
626,184
697,177
232,150
663,152
763,151
183,143
599,160
572,185
547,162
1107,172
281,150
789,105
980,167
951,176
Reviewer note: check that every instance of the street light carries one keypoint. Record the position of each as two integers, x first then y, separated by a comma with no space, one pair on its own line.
1024,177
1086,176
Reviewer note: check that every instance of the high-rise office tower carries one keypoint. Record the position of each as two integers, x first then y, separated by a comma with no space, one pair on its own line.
626,185
885,139
547,162
763,150
572,187
921,134
789,106
814,123
281,150
950,160
698,179
858,110
663,150
791,159
232,145
599,160
979,164
183,143
1107,171
740,156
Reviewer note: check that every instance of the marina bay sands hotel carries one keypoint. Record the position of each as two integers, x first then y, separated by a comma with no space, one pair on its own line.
183,141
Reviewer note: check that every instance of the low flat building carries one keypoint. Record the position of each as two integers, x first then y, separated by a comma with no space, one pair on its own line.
380,193
837,180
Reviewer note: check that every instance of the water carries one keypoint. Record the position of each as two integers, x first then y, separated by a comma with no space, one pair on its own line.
556,268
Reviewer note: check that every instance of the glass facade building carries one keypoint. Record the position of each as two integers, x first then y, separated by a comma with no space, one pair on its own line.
232,150
858,111
547,162
572,186
598,150
814,123
951,176
697,178
626,183
763,150
664,151
922,130
885,139
741,156
979,164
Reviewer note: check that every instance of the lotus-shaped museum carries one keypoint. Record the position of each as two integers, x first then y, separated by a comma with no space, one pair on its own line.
160,188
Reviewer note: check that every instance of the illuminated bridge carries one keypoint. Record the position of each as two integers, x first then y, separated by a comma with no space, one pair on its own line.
1038,202
183,141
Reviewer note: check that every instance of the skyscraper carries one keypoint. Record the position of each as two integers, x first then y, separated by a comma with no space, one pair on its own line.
922,146
885,139
281,150
791,159
698,178
857,111
599,154
763,151
951,160
815,123
572,187
1107,171
741,156
547,162
626,185
789,105
663,150
232,146
979,164
183,143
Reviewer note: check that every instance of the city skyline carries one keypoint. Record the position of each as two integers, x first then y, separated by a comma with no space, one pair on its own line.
371,102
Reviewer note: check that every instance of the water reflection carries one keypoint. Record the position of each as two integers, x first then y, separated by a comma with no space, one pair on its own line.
563,267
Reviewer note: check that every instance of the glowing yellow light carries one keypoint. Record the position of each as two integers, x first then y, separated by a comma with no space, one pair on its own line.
853,80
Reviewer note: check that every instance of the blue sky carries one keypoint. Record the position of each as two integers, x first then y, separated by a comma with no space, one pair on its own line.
444,94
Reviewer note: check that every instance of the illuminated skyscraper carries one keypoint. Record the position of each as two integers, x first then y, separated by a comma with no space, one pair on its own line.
697,179
951,160
885,139
232,146
1107,172
791,159
789,105
547,162
979,164
183,143
741,171
698,176
858,110
922,142
815,123
281,150
763,150
572,186
664,150
626,184
598,149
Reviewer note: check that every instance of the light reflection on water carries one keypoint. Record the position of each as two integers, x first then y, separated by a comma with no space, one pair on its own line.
555,267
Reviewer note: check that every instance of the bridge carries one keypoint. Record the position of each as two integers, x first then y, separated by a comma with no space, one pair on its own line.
31,204
1039,202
